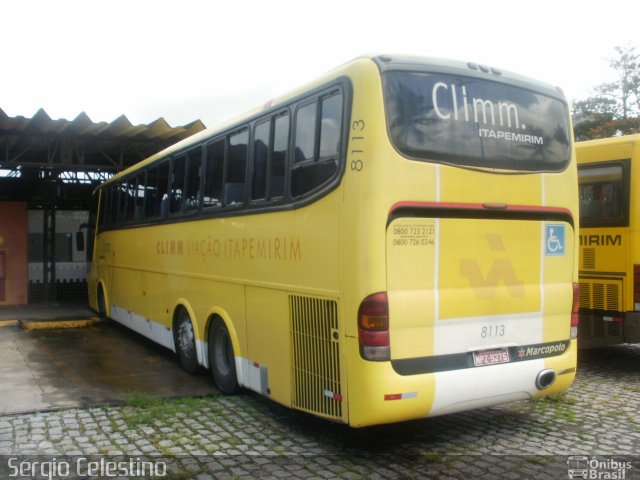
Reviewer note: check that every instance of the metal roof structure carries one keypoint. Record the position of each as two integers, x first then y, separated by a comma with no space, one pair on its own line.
55,165
81,144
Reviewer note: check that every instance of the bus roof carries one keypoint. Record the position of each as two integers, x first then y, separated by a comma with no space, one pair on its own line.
635,138
384,63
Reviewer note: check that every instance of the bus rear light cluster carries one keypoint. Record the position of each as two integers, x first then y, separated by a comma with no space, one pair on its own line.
574,311
636,287
373,327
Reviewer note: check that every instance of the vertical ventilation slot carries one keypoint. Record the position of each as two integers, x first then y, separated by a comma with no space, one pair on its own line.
613,293
316,356
598,296
585,295
589,259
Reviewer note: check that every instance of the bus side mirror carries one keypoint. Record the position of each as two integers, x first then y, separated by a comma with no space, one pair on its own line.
80,241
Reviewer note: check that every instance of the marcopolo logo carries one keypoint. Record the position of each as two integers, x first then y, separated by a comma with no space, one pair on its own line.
580,466
542,350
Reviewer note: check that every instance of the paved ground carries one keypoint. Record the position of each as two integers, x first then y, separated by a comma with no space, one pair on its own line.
246,436
43,369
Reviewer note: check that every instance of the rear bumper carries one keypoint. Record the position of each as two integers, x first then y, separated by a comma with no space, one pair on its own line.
380,395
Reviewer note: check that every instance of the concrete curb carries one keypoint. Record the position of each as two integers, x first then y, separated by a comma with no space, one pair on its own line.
57,323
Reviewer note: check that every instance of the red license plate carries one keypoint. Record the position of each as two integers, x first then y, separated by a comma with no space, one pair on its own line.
490,357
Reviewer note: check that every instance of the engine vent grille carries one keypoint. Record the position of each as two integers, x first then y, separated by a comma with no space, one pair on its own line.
601,295
316,356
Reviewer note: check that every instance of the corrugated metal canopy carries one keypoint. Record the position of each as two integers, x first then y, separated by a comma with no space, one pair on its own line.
81,144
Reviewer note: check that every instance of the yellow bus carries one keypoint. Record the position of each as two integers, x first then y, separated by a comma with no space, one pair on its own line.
393,241
608,171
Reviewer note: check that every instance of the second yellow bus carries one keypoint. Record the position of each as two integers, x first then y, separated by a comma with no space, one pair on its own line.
609,176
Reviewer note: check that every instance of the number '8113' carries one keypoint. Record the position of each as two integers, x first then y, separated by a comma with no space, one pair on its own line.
357,140
490,331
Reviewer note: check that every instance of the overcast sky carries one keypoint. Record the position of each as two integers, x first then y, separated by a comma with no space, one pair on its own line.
186,60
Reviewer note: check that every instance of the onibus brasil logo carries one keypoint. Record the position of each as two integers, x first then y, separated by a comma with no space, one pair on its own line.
580,466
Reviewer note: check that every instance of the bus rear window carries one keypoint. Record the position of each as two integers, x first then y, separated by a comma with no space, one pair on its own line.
603,201
474,122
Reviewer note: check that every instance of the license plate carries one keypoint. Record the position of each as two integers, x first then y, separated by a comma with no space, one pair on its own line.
490,357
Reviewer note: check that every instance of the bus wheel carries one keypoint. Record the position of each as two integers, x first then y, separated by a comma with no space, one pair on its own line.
186,342
221,357
102,306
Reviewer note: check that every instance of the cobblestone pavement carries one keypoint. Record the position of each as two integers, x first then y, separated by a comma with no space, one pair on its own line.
246,436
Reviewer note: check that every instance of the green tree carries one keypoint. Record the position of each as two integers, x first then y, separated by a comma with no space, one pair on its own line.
614,109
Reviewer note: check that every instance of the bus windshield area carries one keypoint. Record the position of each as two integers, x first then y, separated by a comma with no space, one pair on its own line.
475,122
602,196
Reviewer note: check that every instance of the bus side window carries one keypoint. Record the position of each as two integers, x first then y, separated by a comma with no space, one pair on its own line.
317,144
236,166
130,192
214,171
150,193
113,205
305,133
123,193
330,127
261,143
270,145
192,182
162,195
279,155
139,196
156,199
178,168
103,220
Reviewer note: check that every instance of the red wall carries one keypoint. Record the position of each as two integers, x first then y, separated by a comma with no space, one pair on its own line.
13,253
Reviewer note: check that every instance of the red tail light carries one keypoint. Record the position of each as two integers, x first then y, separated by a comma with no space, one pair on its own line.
373,327
574,311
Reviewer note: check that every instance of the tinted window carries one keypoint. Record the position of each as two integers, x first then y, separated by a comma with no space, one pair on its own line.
178,170
235,168
123,201
113,204
138,196
151,192
475,122
130,186
157,201
192,183
214,175
279,155
313,168
305,133
330,126
603,199
261,144
104,209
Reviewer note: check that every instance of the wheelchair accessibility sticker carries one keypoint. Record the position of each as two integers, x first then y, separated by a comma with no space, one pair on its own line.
554,240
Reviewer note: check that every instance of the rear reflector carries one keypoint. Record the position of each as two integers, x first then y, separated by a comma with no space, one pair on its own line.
373,327
400,396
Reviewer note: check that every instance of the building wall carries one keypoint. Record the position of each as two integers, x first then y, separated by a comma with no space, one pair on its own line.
13,253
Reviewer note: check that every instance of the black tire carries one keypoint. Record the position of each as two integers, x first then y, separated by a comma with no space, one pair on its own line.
185,340
102,306
221,358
